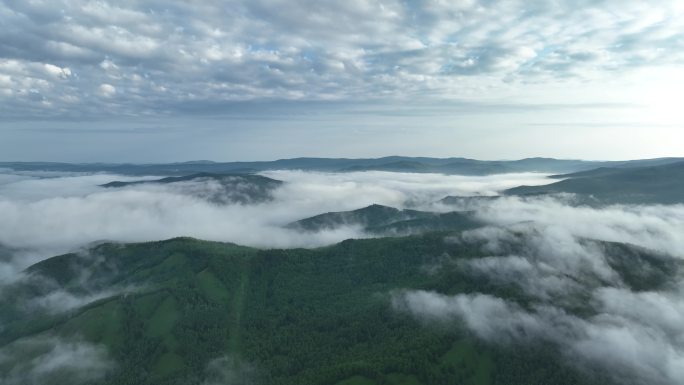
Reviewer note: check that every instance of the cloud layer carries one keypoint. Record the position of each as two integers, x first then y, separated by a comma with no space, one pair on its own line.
622,340
630,322
45,216
556,253
72,59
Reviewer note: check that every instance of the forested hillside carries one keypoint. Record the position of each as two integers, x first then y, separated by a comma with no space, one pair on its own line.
183,311
660,184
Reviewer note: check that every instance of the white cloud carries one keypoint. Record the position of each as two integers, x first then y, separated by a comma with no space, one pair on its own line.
398,189
57,72
656,227
56,214
107,90
632,328
358,50
627,349
228,370
59,300
543,246
47,360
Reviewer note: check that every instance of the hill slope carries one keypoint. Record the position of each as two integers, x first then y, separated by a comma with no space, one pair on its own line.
461,166
655,184
378,219
177,311
218,188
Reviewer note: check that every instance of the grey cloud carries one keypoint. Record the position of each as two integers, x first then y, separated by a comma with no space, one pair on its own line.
158,55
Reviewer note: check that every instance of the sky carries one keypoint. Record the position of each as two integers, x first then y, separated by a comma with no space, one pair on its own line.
162,81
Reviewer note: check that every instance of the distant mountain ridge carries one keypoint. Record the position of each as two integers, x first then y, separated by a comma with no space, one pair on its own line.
193,177
460,166
385,220
227,188
660,183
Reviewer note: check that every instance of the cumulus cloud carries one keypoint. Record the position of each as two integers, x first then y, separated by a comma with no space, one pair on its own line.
164,55
106,90
56,71
52,360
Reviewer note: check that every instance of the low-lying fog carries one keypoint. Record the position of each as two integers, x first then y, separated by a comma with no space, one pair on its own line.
43,215
637,335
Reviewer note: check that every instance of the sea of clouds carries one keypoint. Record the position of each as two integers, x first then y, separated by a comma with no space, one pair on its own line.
637,335
43,216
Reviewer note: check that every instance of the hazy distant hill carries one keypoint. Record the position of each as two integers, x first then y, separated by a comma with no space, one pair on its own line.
402,166
371,216
464,200
5,253
653,184
283,316
378,219
228,188
461,166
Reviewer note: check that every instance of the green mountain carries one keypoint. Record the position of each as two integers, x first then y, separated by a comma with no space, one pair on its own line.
384,220
232,188
183,311
460,166
398,166
653,184
468,201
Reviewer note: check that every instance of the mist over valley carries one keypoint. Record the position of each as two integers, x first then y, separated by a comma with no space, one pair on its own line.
99,268
366,192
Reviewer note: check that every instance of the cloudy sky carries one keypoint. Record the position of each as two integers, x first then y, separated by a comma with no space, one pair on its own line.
263,79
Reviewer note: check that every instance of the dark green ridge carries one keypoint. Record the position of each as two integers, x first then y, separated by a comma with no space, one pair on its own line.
235,188
379,219
662,184
297,316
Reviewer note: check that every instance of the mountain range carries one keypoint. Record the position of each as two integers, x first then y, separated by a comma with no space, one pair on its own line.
662,184
185,311
217,188
166,310
460,166
383,220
